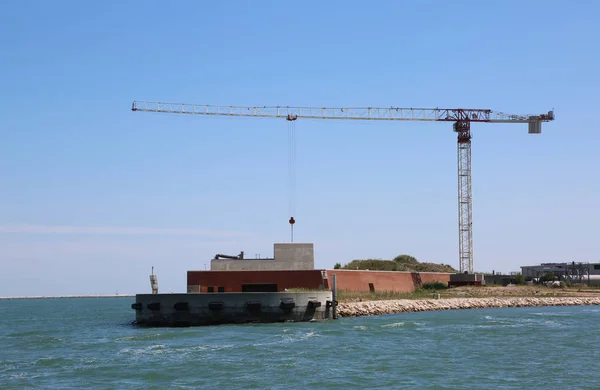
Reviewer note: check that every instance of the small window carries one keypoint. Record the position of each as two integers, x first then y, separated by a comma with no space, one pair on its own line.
221,289
371,287
210,289
596,266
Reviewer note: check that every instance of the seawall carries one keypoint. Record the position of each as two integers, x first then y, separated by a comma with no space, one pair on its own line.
231,308
367,308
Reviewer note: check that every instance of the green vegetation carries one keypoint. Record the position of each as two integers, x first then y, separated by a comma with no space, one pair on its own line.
405,259
434,286
302,290
547,277
519,279
405,263
373,265
337,266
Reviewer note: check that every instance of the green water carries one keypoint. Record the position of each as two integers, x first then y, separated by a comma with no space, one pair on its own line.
90,342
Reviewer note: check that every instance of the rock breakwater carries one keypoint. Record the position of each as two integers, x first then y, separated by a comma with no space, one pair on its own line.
369,308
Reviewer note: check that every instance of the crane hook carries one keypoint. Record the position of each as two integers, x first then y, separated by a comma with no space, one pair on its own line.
292,222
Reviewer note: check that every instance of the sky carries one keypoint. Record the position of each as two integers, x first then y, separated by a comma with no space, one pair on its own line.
93,195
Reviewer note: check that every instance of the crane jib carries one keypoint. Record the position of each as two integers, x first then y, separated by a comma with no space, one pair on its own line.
461,118
343,113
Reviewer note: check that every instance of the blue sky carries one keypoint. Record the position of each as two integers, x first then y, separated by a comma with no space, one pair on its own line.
93,195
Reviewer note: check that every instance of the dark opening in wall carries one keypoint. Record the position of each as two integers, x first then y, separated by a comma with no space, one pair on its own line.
259,287
210,289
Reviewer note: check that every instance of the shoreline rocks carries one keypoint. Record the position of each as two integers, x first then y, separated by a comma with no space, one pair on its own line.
369,308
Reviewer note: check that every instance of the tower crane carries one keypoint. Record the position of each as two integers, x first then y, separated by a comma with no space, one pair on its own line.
461,118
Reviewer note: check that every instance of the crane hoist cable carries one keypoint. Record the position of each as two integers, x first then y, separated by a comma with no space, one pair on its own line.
291,120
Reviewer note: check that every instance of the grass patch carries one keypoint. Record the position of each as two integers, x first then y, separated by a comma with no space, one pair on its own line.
584,286
302,290
403,263
434,286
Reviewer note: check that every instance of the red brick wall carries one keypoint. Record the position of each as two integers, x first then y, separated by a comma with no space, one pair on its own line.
382,280
433,277
311,279
233,280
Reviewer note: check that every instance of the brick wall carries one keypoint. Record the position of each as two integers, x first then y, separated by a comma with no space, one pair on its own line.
232,281
427,277
383,280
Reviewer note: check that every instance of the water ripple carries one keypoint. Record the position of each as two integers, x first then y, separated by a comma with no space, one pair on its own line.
486,348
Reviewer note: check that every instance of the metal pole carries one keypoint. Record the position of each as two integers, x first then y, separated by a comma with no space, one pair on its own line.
333,297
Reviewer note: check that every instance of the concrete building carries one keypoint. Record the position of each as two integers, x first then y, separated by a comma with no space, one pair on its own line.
292,267
476,279
283,288
573,272
287,256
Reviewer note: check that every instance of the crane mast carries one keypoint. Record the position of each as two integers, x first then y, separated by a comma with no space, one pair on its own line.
461,118
465,204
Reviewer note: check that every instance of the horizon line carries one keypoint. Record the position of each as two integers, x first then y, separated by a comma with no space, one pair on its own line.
67,296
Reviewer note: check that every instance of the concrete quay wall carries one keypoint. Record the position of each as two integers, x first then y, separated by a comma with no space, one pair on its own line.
368,308
224,308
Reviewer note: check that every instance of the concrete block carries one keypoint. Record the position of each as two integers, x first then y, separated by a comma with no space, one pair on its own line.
287,256
223,308
300,254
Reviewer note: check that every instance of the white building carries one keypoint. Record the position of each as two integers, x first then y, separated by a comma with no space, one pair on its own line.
574,272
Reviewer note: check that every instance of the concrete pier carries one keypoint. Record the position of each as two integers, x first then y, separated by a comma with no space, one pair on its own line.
225,308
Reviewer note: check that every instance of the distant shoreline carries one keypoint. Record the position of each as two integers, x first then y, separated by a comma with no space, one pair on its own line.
69,296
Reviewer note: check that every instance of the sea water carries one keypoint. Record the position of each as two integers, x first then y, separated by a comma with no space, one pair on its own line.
91,343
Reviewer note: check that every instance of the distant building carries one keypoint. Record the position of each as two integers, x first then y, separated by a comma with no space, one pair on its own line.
573,271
